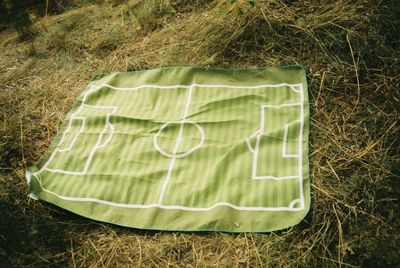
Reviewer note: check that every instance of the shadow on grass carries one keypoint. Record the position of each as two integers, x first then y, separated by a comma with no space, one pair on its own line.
32,237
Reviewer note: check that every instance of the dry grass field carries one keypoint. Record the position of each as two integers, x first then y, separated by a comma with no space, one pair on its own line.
351,50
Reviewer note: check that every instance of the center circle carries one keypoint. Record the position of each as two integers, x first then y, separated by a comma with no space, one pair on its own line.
179,139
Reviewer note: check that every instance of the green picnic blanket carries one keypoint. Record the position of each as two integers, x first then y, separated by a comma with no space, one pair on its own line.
184,148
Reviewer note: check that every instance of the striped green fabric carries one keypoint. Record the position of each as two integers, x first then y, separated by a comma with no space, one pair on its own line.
184,148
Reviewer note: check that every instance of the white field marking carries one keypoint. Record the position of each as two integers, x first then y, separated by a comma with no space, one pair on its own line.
248,140
284,144
258,135
177,144
83,119
69,148
33,196
294,202
281,105
300,162
170,207
93,88
291,86
296,87
91,154
28,177
274,177
75,115
172,155
111,127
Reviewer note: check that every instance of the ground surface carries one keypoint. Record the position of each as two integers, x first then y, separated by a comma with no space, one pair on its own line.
352,58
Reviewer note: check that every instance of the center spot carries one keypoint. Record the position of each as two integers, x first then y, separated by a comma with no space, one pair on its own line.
176,139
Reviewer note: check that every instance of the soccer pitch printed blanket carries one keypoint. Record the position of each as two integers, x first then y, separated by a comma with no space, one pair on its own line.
184,148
